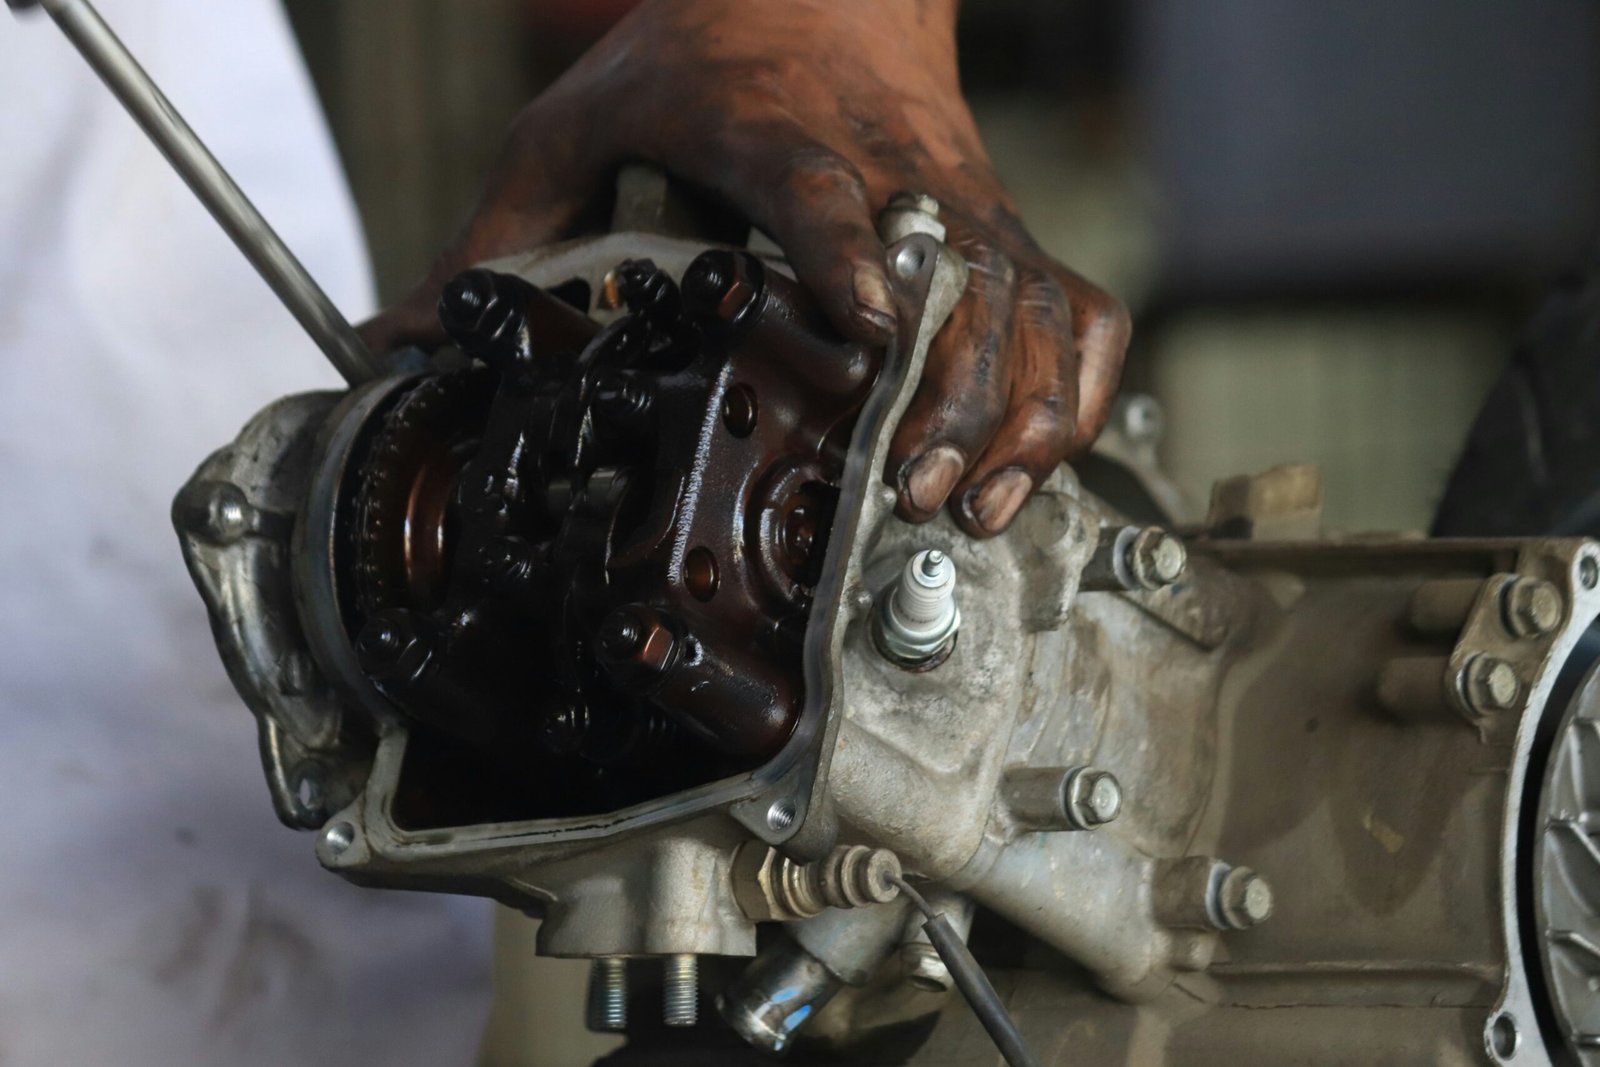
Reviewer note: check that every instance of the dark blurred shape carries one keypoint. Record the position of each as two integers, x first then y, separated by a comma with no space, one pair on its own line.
583,19
1532,462
1371,144
1063,49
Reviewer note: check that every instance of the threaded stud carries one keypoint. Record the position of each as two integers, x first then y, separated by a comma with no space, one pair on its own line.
608,995
681,989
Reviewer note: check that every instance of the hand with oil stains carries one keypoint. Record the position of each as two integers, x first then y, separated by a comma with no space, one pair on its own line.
807,116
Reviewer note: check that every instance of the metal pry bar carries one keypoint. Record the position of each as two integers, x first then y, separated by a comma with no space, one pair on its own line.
227,203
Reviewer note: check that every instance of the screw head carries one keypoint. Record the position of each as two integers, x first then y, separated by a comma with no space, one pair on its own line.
1532,607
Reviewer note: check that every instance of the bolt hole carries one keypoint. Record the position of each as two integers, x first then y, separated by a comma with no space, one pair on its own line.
1503,1036
700,573
909,261
781,815
739,410
1588,572
307,794
339,836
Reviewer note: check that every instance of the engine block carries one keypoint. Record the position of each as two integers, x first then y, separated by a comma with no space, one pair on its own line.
609,618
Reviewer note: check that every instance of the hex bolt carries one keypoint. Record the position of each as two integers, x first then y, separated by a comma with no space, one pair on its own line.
1532,606
722,286
1060,798
1134,559
1243,899
1156,558
510,567
487,315
622,399
681,989
1094,797
919,618
620,635
608,995
1204,893
1489,684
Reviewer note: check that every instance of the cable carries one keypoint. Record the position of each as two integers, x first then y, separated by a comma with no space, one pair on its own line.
971,980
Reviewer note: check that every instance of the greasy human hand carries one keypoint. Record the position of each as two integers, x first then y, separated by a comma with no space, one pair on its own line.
807,116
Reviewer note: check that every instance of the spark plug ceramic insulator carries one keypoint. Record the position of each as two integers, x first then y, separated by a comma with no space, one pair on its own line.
918,618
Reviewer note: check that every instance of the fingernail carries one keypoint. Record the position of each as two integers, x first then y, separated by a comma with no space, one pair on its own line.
994,503
933,476
874,305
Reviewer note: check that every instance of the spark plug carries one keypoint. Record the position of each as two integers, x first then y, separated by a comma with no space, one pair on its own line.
917,621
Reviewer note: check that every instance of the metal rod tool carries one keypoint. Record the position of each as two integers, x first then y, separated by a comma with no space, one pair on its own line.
227,203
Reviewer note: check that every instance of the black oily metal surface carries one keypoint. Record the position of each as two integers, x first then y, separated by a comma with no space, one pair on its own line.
584,565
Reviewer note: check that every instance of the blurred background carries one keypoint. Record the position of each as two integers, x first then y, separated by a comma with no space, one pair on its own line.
1331,221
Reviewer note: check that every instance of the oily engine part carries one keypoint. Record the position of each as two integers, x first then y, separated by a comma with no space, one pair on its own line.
581,563
1243,795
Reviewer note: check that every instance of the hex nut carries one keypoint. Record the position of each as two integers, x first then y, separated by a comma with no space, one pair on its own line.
754,876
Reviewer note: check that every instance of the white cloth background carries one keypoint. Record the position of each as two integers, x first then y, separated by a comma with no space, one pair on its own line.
152,910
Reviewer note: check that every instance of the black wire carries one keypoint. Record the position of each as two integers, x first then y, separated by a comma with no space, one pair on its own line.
972,982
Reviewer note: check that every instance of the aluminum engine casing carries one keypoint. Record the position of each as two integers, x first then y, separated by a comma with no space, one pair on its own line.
1264,712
